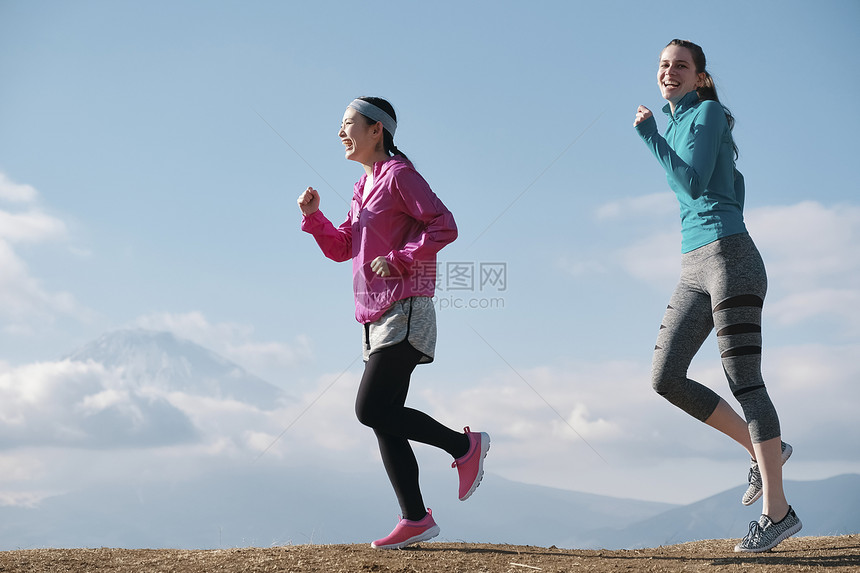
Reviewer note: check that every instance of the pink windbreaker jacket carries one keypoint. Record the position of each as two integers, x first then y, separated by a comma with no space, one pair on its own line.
402,220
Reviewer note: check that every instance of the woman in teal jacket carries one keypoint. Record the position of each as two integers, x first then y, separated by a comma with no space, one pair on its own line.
722,284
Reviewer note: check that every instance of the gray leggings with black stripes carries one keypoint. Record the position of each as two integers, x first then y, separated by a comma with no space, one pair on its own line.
722,286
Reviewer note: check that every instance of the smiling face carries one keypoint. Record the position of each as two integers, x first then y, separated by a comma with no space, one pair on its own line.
676,74
361,140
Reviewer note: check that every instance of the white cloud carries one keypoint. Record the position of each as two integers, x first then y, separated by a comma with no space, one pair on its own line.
32,226
16,192
808,243
28,499
643,207
592,405
26,304
18,468
234,341
82,404
813,261
816,375
271,355
103,400
582,267
835,304
655,259
321,425
588,428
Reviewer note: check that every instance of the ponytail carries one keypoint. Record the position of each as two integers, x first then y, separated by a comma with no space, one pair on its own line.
709,92
388,144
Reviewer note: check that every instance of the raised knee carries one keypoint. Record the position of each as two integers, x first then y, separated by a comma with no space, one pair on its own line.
365,414
664,378
663,384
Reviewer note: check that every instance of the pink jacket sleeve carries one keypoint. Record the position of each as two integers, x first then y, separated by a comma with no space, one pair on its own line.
336,243
420,203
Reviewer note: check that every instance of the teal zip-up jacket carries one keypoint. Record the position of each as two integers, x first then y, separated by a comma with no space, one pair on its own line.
698,158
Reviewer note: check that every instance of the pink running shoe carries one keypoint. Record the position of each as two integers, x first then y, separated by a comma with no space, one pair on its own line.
471,466
408,532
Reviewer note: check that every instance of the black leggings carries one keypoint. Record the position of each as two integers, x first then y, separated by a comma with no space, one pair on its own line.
380,404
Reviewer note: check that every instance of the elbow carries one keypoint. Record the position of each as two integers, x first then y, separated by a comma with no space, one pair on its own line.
452,229
339,257
694,188
336,254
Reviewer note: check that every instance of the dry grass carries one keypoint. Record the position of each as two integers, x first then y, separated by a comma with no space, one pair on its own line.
797,554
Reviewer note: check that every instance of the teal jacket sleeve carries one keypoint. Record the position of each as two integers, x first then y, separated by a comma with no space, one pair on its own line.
704,132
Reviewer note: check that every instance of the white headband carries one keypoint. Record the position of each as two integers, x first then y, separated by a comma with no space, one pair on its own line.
374,113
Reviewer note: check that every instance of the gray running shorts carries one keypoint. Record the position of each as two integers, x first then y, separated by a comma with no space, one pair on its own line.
412,319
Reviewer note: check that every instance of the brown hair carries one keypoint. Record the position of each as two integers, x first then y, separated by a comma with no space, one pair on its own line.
709,90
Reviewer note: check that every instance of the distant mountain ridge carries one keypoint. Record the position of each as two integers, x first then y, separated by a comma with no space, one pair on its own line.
825,507
266,506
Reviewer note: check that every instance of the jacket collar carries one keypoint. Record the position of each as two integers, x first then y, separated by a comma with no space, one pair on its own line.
687,102
379,168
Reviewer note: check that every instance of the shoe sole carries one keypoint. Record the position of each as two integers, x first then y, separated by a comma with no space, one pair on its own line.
782,537
787,453
424,536
485,447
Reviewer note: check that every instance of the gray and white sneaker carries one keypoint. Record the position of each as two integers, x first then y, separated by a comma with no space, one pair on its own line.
755,488
764,534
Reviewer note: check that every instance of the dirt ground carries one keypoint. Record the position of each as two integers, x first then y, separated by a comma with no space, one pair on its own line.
797,554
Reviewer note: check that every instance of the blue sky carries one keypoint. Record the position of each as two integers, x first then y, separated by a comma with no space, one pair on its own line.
151,154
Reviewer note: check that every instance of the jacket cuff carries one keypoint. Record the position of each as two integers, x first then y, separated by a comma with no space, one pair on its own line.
396,265
647,127
312,221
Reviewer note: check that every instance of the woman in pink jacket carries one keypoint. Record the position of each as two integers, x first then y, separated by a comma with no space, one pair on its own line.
392,233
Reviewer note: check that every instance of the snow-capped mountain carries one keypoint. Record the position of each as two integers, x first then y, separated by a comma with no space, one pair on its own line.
161,361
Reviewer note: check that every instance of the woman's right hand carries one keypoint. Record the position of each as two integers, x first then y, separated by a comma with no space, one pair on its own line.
642,114
309,201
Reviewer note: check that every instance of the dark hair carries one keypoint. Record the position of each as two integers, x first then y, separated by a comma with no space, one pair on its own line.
387,138
709,90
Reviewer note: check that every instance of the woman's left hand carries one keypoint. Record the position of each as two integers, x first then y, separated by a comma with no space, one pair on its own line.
380,266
